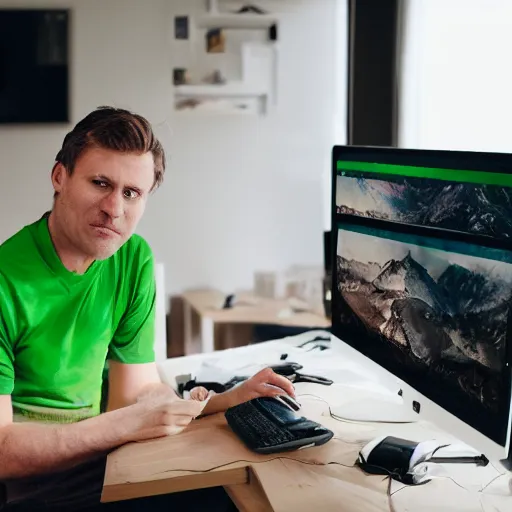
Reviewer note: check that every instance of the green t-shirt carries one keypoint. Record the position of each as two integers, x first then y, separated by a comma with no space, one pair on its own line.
58,329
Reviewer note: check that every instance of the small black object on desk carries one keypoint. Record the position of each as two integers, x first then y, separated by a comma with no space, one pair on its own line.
229,301
286,369
391,456
315,379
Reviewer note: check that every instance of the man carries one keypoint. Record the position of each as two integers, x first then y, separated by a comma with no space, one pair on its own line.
76,291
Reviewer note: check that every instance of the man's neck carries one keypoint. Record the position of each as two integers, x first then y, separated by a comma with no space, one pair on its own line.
72,259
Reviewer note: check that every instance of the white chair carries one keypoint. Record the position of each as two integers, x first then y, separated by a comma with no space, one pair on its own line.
161,314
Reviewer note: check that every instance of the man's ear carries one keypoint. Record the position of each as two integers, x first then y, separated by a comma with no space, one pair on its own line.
59,175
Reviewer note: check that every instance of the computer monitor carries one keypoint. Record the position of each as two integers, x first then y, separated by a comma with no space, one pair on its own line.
422,284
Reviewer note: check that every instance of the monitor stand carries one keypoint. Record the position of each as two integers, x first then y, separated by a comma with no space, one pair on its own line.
380,408
507,464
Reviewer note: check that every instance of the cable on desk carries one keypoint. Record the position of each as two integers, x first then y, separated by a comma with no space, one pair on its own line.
280,457
494,479
389,477
309,463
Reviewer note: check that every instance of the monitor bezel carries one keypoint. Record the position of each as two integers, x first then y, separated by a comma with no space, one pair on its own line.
463,160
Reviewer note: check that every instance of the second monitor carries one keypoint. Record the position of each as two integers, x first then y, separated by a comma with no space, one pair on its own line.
423,280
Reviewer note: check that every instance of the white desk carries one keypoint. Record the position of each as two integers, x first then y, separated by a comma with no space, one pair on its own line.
457,487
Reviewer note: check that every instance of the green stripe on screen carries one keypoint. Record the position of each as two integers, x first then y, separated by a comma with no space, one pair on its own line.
486,178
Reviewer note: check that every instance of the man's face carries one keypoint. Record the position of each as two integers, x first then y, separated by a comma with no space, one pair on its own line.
99,205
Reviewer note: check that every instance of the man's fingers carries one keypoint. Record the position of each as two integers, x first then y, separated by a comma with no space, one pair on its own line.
198,393
172,430
182,421
269,390
182,407
279,381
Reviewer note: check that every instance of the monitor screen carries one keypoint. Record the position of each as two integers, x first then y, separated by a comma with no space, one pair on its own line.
34,79
423,274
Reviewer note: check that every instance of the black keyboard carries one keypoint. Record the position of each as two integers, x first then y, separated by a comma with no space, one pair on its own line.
265,425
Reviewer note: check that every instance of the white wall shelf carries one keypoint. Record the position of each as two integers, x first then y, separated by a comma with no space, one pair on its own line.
230,98
228,89
252,92
236,21
234,107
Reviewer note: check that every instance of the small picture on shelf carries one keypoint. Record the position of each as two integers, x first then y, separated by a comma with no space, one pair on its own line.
180,76
215,41
181,27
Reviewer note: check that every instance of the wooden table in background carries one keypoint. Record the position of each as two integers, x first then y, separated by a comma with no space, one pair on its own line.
207,304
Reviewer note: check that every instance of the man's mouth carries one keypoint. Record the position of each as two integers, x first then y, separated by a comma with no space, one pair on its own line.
106,229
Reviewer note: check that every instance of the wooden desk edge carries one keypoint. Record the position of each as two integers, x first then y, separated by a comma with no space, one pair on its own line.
200,480
250,497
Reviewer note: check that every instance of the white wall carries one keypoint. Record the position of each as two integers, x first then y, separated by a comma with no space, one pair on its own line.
240,194
457,80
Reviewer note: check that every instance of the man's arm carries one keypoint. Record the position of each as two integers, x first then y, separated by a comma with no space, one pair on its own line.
126,382
30,448
129,381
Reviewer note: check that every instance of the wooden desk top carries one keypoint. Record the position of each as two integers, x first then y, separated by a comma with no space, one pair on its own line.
321,478
251,310
209,454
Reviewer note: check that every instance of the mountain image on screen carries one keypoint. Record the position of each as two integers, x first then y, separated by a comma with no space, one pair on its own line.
472,208
442,317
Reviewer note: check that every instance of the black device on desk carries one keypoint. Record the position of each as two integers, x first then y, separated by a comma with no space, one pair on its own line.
266,425
327,282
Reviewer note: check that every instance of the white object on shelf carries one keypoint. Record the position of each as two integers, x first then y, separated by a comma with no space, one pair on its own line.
222,105
258,66
229,98
213,7
219,90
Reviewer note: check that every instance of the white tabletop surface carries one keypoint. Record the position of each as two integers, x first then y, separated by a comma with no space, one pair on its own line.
454,487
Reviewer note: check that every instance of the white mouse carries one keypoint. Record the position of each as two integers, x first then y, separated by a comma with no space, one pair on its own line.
288,401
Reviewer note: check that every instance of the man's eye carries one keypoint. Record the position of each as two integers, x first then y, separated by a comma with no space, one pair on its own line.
131,194
100,183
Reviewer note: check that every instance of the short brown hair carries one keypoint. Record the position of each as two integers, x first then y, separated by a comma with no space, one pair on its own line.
116,129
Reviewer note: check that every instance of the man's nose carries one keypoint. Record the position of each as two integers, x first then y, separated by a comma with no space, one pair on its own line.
113,204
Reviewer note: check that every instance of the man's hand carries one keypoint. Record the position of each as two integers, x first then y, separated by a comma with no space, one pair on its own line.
158,413
265,383
200,393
